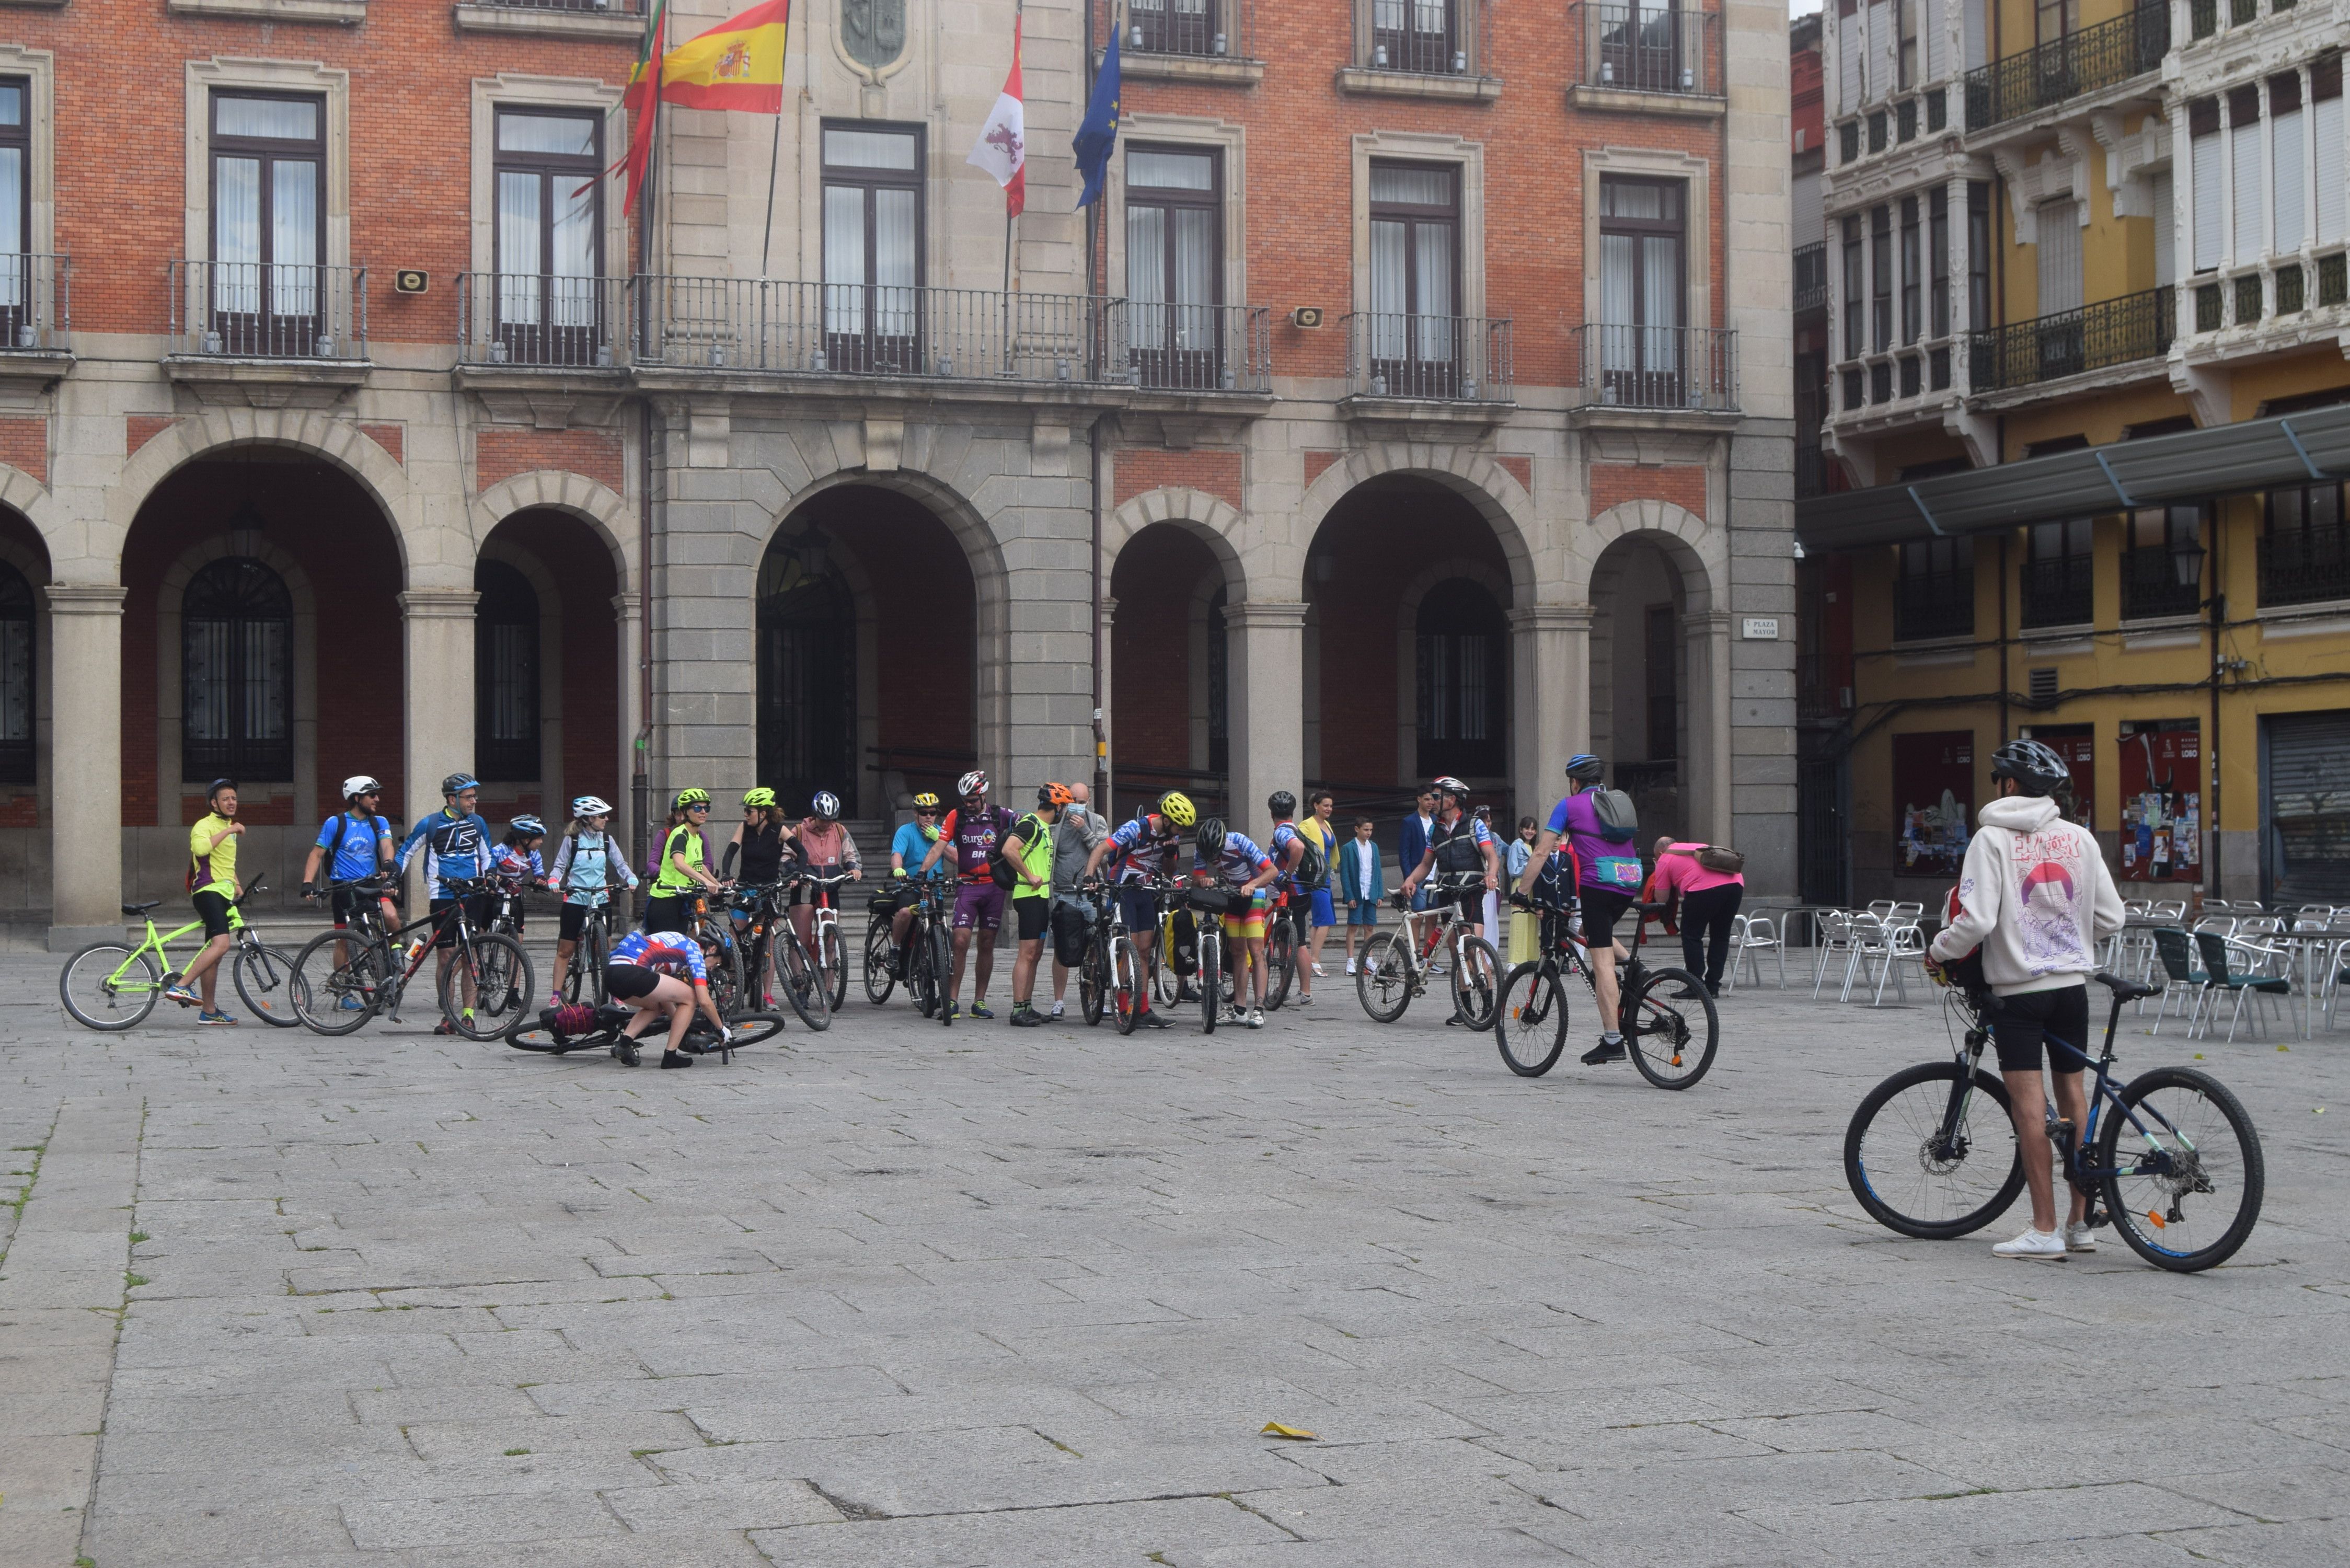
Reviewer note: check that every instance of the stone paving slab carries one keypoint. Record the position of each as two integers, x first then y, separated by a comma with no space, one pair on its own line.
900,1295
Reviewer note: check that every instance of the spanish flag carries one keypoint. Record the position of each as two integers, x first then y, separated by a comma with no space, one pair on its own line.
738,64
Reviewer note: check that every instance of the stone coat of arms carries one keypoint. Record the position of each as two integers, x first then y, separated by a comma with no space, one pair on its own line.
873,31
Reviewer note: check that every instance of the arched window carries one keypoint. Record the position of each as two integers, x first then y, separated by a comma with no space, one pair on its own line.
15,677
237,670
1463,682
506,675
808,673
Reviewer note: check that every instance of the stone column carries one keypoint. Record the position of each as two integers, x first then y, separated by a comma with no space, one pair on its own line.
628,616
1706,813
1108,610
437,637
1265,645
1550,704
85,763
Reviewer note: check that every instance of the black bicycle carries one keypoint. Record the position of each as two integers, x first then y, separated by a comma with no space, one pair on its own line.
1097,970
1287,943
2170,1159
342,979
1670,1035
583,979
604,1027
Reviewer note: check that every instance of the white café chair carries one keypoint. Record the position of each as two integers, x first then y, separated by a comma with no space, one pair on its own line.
1751,935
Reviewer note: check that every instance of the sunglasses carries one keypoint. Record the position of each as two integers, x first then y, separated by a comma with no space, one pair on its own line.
926,811
697,808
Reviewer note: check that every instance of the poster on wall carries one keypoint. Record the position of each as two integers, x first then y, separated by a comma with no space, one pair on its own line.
1933,792
2076,744
2162,801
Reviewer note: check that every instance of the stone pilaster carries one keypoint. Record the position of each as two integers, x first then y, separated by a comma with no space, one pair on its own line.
86,761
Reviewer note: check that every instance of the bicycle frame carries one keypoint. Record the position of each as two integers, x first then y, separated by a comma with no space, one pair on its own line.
1450,925
244,936
367,927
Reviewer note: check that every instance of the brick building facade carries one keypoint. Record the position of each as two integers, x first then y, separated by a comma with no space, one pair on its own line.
1523,490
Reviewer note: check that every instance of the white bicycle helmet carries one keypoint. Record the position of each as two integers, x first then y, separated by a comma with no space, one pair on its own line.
591,806
970,783
360,785
526,826
825,807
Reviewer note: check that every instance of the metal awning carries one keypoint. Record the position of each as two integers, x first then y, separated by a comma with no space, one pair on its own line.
2227,460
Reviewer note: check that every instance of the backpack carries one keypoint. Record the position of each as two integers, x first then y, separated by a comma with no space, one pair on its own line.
1313,871
1000,869
1721,860
1619,822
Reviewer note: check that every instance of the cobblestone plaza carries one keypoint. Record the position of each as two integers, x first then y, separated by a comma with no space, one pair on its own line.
902,1295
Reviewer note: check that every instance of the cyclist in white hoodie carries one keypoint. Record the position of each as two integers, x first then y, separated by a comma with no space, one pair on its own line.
2036,897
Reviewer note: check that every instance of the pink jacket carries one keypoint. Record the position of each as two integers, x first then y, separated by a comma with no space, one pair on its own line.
1678,873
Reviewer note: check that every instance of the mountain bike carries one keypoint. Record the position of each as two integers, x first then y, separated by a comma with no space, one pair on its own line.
1671,1036
2171,1156
1396,965
114,985
1123,974
583,980
930,950
603,1029
882,975
1287,943
1097,971
721,956
824,937
342,979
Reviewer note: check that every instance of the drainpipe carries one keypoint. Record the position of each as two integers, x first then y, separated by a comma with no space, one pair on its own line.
2003,639
1092,614
2212,745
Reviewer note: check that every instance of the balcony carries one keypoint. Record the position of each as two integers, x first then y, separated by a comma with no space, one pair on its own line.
1644,57
536,321
2088,61
2057,592
620,20
1185,40
1812,275
1685,369
1428,360
2151,588
1933,605
2206,19
1822,688
264,332
2305,566
1421,49
2101,336
35,318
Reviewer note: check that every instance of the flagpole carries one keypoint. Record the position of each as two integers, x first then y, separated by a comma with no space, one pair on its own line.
767,230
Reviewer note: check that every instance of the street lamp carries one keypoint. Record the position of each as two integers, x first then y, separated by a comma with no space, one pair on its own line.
2187,560
810,547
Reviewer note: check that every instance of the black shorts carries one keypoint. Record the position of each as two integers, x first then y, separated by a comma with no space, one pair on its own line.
1602,908
667,911
1072,926
572,921
628,982
2022,1022
1034,914
213,909
479,909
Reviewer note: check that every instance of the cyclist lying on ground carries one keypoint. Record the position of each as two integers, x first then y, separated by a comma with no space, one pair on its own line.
649,972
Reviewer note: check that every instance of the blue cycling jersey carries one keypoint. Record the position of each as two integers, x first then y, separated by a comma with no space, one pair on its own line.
1238,861
456,849
665,950
1143,845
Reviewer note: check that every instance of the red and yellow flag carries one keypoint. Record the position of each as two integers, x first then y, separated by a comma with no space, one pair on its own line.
738,64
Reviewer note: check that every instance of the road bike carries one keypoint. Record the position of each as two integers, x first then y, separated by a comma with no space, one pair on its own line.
342,979
114,985
2170,1159
604,1028
1670,1035
1395,965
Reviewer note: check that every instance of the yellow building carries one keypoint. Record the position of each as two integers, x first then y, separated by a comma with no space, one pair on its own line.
2088,319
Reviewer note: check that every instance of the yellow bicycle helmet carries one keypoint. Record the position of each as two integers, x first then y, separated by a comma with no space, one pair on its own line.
1177,807
926,801
762,795
686,797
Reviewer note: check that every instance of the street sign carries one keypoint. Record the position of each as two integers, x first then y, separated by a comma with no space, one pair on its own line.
1762,628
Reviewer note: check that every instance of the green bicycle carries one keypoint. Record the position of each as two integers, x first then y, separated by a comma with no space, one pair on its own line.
114,985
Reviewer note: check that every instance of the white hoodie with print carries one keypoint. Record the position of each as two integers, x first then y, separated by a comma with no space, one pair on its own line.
2035,894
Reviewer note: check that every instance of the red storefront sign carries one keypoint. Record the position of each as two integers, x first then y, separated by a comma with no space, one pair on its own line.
2162,801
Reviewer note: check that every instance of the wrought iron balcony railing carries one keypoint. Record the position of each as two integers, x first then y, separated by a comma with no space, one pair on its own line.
581,7
1935,604
2095,338
36,303
1193,29
540,320
1811,472
267,310
1659,367
1436,358
2305,566
2057,592
1420,38
2100,57
1192,347
2150,585
1645,48
1812,275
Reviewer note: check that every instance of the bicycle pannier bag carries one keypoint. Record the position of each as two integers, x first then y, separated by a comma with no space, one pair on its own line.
1721,860
1618,822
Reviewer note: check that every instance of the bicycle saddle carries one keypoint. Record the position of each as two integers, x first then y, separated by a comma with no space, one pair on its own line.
2125,990
1652,909
135,911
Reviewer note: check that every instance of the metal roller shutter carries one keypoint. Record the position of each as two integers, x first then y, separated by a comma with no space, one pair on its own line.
2305,809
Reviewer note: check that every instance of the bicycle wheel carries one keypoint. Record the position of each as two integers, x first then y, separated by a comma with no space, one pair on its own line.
110,985
942,974
265,978
795,973
754,1028
1476,983
1128,986
1210,980
1093,977
878,981
1281,962
1925,1164
530,1034
2187,1187
1167,986
500,971
1530,1021
595,947
1671,1039
832,964
1384,982
921,984
331,998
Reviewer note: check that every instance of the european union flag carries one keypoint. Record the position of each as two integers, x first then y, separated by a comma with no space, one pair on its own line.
1098,134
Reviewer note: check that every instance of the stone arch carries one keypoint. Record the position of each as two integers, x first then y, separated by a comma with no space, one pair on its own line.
1211,519
595,505
1693,546
1407,635
171,595
30,499
1475,476
427,559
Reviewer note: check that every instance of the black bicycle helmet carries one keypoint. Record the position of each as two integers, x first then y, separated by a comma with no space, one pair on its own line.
1585,768
1282,803
2037,769
1211,837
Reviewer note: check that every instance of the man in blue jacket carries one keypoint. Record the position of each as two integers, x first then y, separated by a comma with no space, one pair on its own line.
1414,845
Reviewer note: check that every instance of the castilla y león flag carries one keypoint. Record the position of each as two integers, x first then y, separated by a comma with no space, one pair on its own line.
1003,149
738,64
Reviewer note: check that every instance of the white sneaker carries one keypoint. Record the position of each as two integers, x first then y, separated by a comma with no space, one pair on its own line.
2037,1246
1351,966
1319,973
2079,1238
1305,999
1058,1007
1256,1018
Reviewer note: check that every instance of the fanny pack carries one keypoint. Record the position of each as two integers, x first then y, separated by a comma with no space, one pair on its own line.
1616,871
